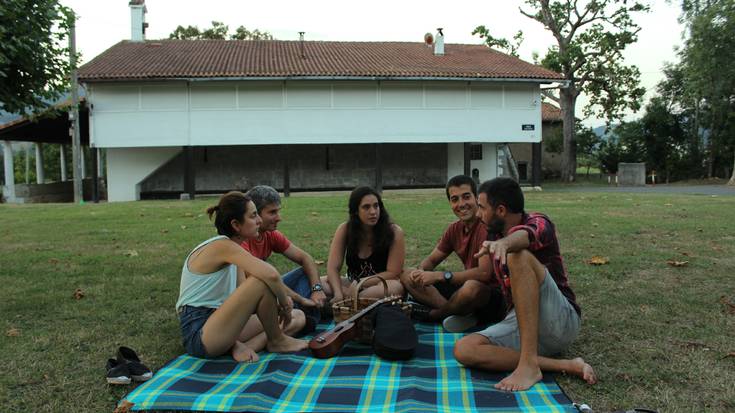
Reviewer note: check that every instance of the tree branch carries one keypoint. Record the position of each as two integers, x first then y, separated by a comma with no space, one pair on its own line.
551,96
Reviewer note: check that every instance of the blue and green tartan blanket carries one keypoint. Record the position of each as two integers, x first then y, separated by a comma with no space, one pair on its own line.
354,381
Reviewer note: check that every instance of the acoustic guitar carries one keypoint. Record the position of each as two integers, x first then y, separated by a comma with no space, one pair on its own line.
329,343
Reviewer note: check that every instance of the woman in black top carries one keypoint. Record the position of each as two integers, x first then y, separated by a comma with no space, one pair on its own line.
370,244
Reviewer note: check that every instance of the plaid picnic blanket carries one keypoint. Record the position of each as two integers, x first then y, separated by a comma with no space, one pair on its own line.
354,381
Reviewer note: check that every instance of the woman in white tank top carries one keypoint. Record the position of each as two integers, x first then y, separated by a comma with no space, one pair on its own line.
223,287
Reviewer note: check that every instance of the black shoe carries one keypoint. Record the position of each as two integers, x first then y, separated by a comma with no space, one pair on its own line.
138,371
117,373
419,312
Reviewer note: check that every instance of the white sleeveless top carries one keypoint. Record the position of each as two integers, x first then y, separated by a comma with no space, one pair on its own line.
206,290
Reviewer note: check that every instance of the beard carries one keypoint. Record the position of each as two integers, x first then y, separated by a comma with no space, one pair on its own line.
496,226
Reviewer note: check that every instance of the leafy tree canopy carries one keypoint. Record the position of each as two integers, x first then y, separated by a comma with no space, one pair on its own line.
34,56
218,31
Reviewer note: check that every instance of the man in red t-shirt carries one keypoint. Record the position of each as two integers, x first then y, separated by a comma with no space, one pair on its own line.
304,282
459,298
545,318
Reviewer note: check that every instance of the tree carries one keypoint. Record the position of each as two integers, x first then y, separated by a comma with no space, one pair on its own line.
590,37
709,75
34,58
587,143
218,31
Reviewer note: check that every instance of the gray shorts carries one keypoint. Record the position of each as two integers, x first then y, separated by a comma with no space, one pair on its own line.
558,323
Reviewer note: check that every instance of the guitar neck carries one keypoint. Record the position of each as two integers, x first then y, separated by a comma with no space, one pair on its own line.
368,309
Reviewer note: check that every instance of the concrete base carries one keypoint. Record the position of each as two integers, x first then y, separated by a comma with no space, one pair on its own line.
52,192
631,174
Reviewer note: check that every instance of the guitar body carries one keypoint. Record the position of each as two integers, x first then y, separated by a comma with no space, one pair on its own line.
329,343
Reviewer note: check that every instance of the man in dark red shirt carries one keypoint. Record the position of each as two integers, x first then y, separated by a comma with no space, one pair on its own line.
459,298
545,317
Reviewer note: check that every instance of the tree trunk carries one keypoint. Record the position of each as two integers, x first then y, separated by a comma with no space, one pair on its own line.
732,178
711,154
568,99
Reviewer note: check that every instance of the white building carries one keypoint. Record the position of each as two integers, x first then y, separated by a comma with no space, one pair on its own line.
192,116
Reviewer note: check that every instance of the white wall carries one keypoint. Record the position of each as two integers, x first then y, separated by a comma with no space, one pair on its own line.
487,166
276,112
127,167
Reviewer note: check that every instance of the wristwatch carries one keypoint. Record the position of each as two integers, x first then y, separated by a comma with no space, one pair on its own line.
448,276
317,287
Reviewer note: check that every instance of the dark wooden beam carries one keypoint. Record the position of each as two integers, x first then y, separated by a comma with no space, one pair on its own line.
286,171
378,168
467,158
189,172
536,164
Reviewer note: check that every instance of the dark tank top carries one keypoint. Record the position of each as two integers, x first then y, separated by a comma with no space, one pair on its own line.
358,268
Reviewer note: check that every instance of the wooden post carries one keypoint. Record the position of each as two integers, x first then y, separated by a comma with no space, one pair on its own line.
62,160
9,172
286,171
40,178
95,177
378,169
536,164
83,163
189,172
467,158
76,151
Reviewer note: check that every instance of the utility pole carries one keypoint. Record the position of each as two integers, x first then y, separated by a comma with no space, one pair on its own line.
74,114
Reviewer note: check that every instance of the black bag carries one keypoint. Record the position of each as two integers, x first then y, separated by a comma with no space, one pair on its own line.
395,337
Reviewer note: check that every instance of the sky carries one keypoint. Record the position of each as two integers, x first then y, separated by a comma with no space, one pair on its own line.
102,23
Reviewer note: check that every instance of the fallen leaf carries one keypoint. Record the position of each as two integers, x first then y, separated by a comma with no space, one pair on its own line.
183,227
200,215
598,260
131,253
78,294
123,407
13,332
729,307
188,214
318,262
675,263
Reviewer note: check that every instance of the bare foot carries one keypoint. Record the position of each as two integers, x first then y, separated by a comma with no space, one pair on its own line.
244,354
583,370
286,344
522,378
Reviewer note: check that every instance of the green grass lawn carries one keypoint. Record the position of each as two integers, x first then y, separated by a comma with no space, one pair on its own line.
659,336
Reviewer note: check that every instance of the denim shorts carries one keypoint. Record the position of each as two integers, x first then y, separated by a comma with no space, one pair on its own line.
192,321
558,323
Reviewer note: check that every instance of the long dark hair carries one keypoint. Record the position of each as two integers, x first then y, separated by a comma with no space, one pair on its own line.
231,205
382,231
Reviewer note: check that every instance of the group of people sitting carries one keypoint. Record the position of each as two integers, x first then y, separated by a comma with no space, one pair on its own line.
513,283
